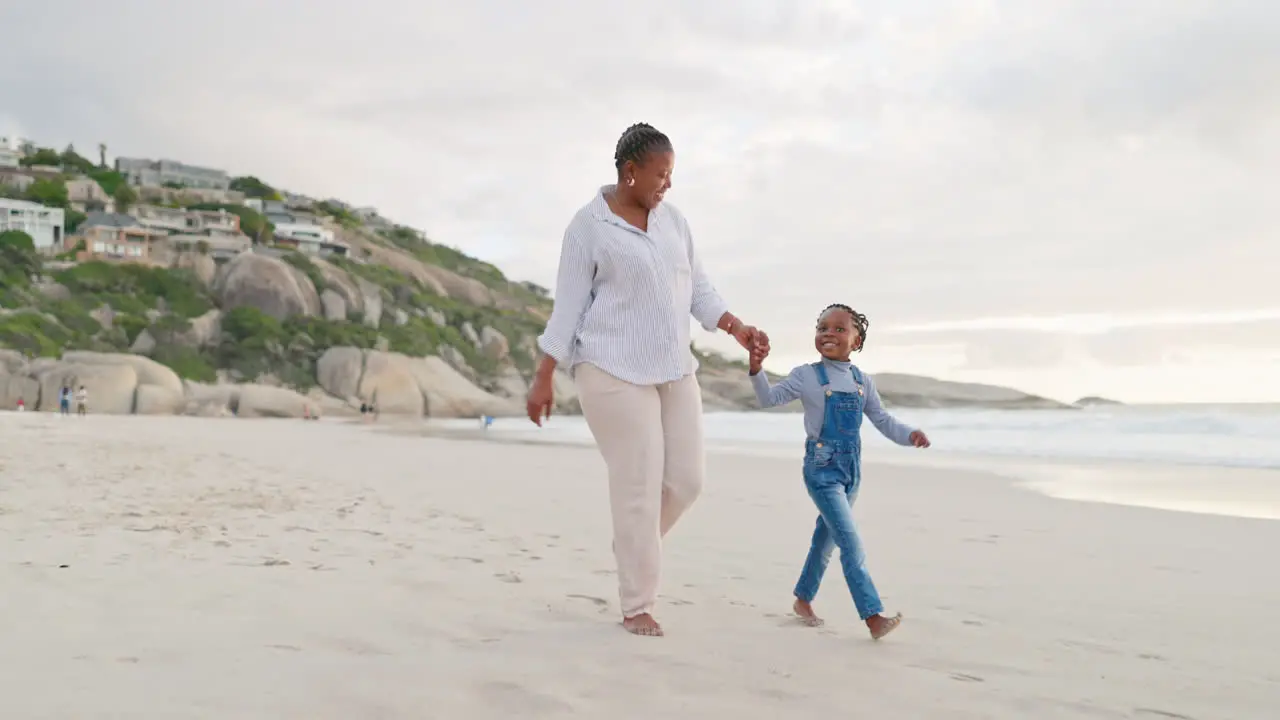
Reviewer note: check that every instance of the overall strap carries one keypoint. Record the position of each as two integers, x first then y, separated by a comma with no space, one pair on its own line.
857,374
821,370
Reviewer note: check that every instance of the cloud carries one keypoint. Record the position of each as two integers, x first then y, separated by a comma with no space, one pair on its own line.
928,161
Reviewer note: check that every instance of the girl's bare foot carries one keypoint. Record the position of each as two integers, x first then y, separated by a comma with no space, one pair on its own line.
805,612
642,624
881,625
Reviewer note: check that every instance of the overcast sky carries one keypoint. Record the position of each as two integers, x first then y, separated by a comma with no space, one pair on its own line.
1067,196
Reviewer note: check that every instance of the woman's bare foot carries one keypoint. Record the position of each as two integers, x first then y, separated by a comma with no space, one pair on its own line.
881,625
805,611
642,624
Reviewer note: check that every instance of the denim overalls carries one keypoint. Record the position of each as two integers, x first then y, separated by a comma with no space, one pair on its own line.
832,473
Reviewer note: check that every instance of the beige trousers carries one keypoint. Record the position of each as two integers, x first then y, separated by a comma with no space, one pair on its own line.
651,440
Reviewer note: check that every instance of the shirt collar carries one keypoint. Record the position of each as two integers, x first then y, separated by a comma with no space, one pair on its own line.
600,207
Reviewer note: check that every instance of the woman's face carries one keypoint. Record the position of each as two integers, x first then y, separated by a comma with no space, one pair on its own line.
653,178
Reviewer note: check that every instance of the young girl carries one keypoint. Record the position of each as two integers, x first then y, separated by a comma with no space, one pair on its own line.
836,395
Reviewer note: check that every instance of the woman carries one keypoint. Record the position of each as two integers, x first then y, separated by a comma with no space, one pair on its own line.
628,281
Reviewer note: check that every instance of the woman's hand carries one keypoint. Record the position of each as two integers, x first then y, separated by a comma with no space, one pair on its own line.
749,337
541,398
919,439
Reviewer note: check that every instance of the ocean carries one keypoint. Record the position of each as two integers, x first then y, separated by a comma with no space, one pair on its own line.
1221,459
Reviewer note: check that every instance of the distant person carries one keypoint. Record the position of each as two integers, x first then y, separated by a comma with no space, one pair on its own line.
82,401
22,405
486,421
628,281
64,400
835,395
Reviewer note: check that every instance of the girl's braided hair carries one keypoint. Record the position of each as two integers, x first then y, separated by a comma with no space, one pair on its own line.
860,321
637,141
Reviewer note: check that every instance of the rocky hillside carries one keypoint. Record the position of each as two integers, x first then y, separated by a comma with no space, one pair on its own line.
419,327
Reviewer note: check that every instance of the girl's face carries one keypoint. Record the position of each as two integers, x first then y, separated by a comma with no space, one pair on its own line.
836,335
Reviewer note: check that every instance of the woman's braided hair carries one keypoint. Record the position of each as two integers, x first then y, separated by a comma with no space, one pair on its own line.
860,321
637,141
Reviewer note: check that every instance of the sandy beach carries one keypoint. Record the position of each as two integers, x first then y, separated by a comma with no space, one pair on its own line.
198,568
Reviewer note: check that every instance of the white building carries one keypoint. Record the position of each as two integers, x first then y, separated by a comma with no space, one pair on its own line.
311,239
45,225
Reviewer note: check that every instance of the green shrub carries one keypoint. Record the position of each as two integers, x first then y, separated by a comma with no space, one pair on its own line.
188,363
308,268
182,292
247,323
31,332
132,325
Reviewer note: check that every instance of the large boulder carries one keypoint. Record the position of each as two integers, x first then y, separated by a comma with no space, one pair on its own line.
511,384
206,330
144,344
371,301
335,306
494,344
111,387
390,383
403,385
267,283
339,371
202,266
341,282
449,394
203,400
156,400
18,387
468,290
12,361
273,402
149,372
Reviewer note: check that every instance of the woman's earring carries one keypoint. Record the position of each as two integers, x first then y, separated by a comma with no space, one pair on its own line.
631,181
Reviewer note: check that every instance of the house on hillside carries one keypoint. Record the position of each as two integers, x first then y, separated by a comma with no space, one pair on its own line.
310,239
86,194
45,225
188,196
178,220
116,237
10,157
19,180
141,171
219,247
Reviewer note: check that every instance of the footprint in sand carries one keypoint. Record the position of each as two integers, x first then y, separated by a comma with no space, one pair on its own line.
597,601
1161,713
509,577
965,677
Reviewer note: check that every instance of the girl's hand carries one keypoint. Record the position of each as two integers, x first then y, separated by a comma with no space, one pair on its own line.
919,439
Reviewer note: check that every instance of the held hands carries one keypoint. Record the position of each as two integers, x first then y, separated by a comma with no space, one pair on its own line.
754,340
757,353
919,439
